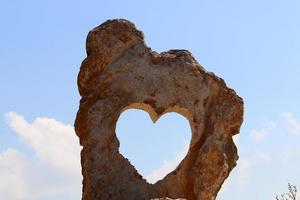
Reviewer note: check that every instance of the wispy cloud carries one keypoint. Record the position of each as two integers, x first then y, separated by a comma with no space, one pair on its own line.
242,171
291,121
167,166
258,135
55,170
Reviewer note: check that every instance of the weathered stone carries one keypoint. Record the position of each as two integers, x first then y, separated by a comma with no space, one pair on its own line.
121,72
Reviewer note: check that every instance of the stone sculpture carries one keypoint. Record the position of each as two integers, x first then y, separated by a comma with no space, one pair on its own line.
121,72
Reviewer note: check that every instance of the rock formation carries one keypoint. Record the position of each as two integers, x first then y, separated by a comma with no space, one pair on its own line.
121,72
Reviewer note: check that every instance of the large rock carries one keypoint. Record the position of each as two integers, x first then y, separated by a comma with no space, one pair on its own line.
121,72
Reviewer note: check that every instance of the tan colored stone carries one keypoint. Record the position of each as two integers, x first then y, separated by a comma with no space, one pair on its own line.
121,72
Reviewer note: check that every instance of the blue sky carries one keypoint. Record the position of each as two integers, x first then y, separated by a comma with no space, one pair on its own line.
253,45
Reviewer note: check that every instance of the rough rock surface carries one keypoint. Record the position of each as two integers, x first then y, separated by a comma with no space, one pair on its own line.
121,72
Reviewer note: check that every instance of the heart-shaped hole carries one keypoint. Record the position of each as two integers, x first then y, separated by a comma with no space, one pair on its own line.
154,149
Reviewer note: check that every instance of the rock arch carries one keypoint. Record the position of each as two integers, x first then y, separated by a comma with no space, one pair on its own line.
120,71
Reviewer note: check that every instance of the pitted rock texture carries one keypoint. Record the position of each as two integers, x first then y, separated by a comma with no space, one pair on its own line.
121,72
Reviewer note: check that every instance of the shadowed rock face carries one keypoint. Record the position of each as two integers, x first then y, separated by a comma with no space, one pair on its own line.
121,72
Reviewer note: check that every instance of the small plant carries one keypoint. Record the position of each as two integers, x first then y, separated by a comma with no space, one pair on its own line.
290,195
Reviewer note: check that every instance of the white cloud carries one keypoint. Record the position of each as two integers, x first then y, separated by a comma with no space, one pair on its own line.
242,171
13,175
55,172
244,166
258,163
53,142
166,167
258,135
262,157
293,124
239,177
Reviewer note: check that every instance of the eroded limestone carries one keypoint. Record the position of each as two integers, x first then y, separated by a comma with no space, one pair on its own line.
121,72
